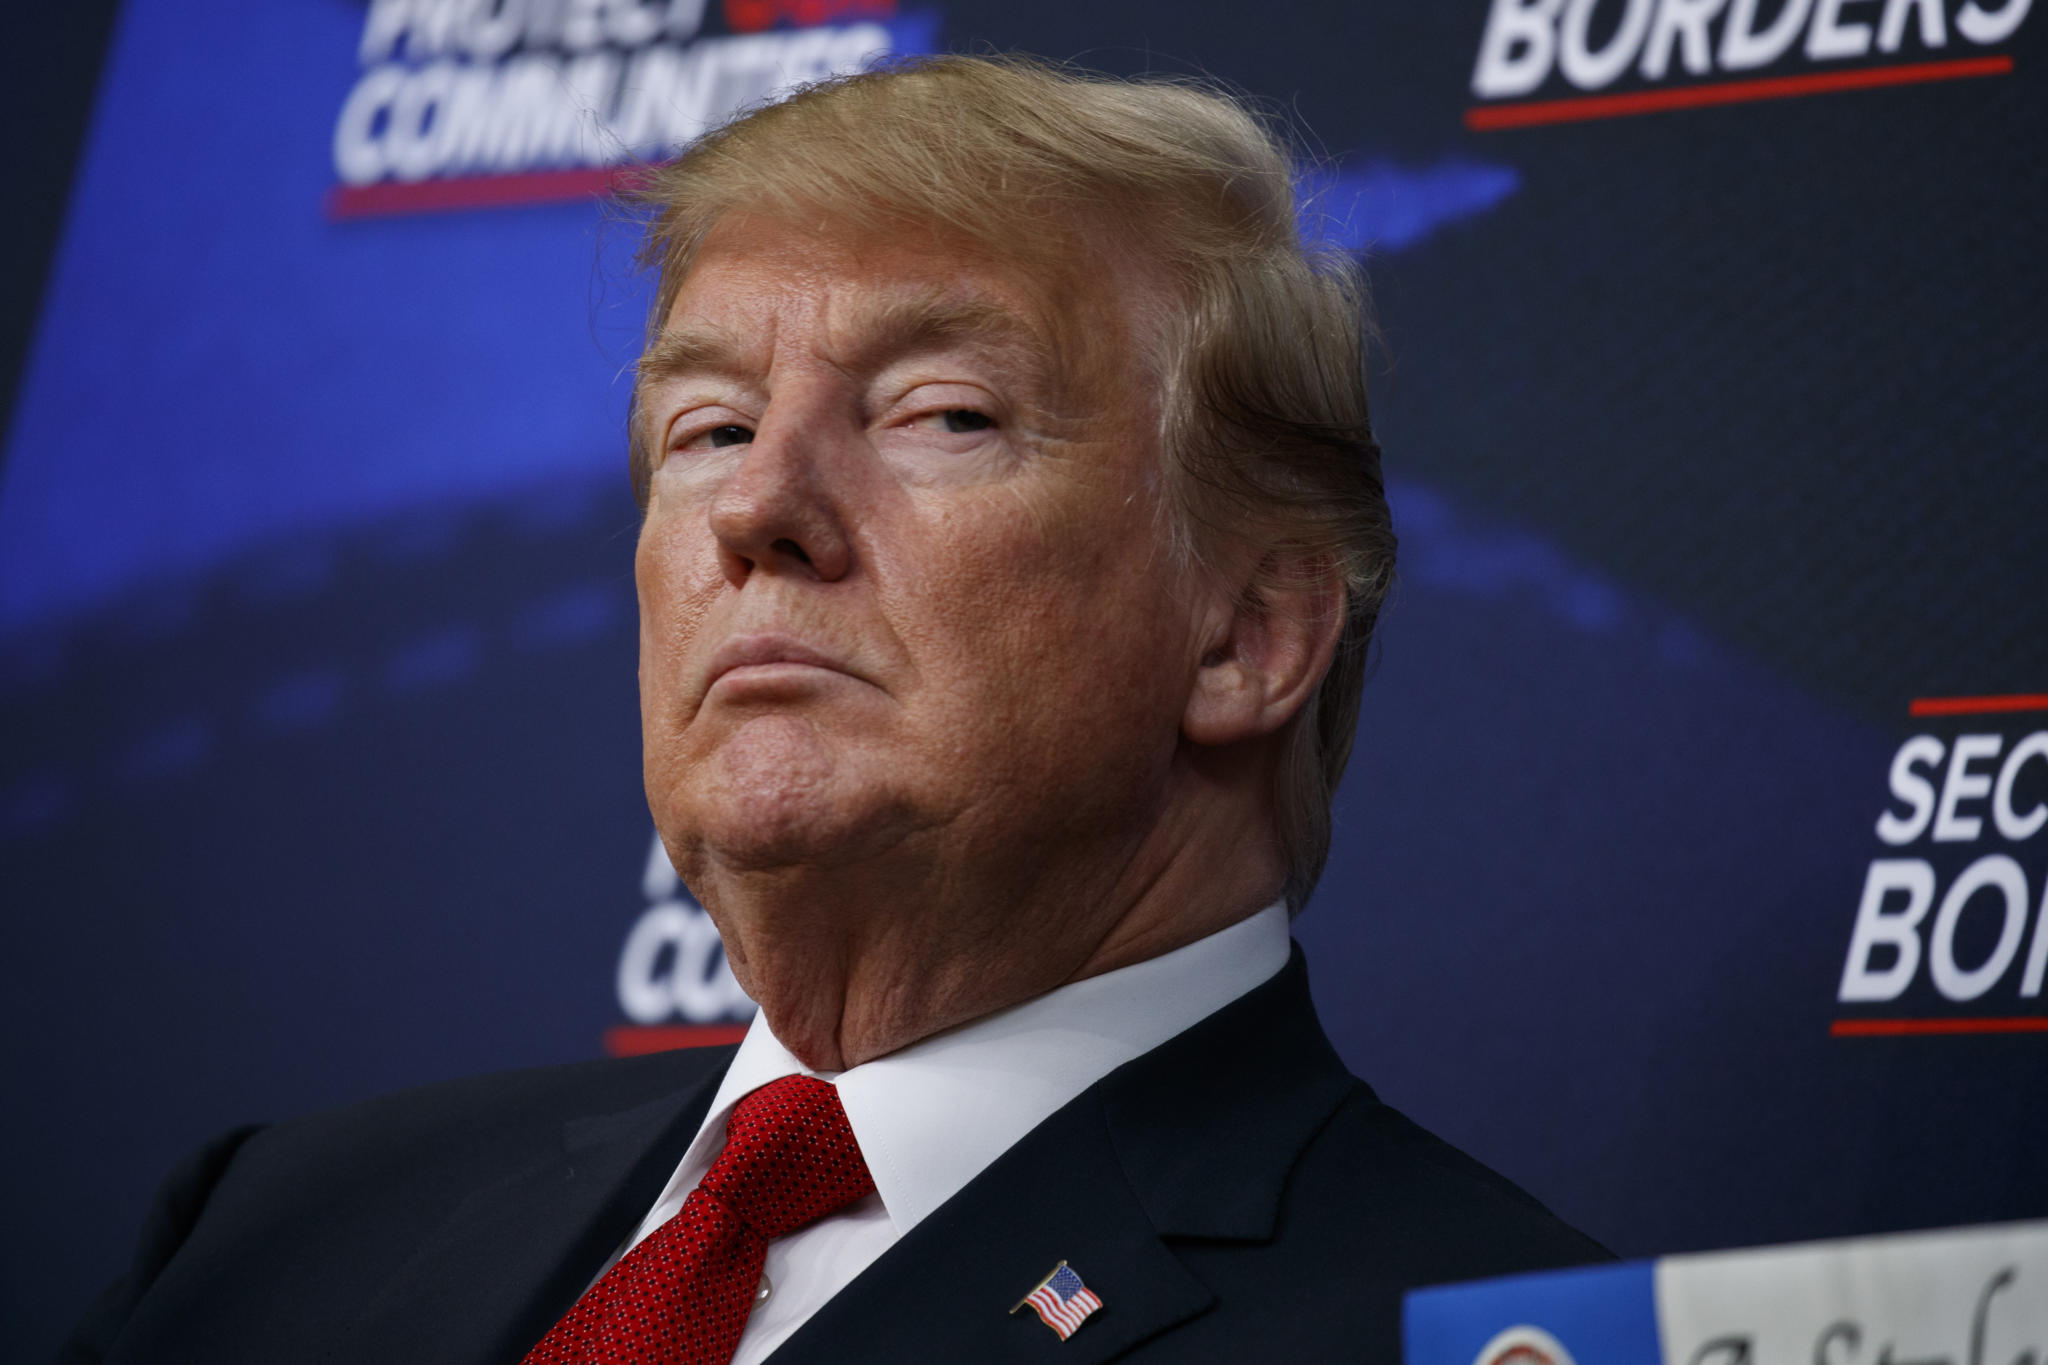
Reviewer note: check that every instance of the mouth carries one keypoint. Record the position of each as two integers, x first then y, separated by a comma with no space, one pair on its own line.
769,658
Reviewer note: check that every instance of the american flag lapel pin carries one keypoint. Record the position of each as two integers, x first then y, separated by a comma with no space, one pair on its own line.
1061,1301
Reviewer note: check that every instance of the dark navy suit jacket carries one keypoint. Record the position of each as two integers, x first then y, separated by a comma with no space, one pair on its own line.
1233,1195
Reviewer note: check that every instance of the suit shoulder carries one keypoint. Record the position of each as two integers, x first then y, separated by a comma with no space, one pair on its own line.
304,1225
480,1112
1450,1216
1374,1206
164,1230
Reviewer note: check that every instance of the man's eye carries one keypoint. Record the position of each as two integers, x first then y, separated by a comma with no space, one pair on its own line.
720,437
960,421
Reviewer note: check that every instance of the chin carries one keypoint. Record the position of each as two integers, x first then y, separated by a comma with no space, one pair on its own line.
765,831
775,795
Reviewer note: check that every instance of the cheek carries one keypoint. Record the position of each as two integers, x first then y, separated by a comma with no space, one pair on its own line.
676,574
1058,623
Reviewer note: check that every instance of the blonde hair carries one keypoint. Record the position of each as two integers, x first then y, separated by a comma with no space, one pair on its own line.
1260,351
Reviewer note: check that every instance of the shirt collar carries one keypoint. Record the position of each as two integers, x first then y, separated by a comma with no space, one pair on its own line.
932,1116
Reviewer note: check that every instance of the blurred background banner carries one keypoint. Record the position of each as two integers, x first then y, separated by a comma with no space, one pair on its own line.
1692,865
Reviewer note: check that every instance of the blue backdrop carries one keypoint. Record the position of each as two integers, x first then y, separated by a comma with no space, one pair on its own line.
1715,437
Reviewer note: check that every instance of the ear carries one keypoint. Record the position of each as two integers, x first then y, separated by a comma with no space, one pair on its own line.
1266,653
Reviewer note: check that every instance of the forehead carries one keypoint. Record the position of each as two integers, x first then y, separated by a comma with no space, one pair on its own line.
861,297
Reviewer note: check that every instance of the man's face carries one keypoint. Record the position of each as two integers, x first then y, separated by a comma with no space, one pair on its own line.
904,586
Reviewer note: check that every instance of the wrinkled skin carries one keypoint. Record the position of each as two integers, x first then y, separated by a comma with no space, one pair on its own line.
933,720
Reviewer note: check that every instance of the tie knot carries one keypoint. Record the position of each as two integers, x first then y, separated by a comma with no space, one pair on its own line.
790,1158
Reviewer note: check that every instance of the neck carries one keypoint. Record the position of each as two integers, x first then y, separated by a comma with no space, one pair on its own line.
853,962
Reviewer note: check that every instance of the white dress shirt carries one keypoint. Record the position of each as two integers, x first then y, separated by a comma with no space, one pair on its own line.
934,1115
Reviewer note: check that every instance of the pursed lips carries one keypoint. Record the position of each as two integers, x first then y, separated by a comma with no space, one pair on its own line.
764,652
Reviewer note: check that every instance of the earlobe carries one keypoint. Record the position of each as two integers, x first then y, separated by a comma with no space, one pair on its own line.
1267,655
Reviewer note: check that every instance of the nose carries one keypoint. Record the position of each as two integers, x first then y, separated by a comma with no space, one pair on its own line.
774,512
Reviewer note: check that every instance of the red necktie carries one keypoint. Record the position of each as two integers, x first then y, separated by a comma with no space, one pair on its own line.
682,1296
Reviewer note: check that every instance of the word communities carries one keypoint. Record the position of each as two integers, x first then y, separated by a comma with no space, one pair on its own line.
469,89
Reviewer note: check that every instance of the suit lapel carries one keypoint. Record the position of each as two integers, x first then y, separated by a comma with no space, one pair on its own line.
1209,1125
520,1249
944,1292
1194,1139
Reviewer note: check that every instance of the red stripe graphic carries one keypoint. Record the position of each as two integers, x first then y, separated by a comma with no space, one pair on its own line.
1901,1028
637,1040
1978,706
392,197
1487,118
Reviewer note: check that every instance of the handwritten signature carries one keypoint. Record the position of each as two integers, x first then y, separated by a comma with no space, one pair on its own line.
1841,1342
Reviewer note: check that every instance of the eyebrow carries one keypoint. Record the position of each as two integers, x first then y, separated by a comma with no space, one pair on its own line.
903,325
686,350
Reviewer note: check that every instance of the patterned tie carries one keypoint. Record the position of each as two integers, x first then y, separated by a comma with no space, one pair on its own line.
682,1296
